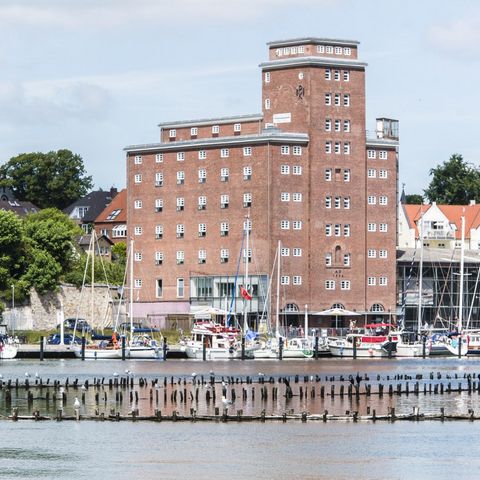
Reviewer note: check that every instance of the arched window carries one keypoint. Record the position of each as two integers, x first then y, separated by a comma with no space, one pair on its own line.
377,307
338,254
338,305
291,307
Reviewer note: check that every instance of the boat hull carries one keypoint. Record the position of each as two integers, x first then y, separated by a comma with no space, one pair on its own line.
411,350
362,352
98,353
7,352
143,352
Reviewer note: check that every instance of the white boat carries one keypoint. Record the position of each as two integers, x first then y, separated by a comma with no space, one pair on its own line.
408,346
97,352
457,344
7,351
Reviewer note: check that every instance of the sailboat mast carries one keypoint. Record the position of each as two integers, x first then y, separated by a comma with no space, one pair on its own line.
92,253
245,323
277,324
462,261
130,308
420,280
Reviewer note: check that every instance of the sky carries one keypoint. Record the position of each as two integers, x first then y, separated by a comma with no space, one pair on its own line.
94,76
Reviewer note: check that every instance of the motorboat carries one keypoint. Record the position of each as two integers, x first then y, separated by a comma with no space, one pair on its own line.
7,350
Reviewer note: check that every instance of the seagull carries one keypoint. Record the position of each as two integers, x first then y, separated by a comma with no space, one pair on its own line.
76,404
1,376
27,375
260,374
225,401
127,371
83,387
115,374
37,375
194,374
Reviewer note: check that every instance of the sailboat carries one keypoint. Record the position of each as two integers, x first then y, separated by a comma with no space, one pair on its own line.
7,350
104,349
140,345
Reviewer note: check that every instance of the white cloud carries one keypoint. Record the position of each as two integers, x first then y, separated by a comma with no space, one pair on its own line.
459,36
115,13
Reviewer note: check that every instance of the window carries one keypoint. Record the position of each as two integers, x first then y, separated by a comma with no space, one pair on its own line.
345,285
337,148
346,203
301,49
202,175
338,125
180,177
383,200
215,129
285,280
372,173
346,148
224,201
159,288
224,173
382,155
336,75
138,204
202,229
247,200
119,231
297,280
338,50
202,256
180,230
158,232
329,49
193,131
383,227
371,281
158,258
297,197
224,254
224,153
328,72
180,257
371,154
247,151
372,227
383,254
180,287
237,127
328,125
285,150
328,174
284,197
285,252
346,100
202,154
138,160
138,283
285,169
337,230
172,133
338,202
328,259
138,230
285,225
377,307
267,104
138,256
297,224
159,158
297,252
346,230
347,51
372,253
329,284
346,175
296,150
328,147
247,255
180,204
383,281
346,126
383,174
180,156
297,170
202,202
328,99
337,99
372,200
247,225
138,178
159,179
346,260
247,173
224,229
267,77
328,229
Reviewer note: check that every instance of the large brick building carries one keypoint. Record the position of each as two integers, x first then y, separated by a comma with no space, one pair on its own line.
303,172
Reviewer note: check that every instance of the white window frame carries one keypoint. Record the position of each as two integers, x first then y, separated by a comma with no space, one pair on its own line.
285,149
296,170
138,178
138,230
267,104
202,154
138,160
296,150
284,196
284,225
237,127
159,158
215,129
172,133
345,285
138,204
329,284
193,131
180,156
297,252
180,287
346,99
247,172
296,197
158,232
224,153
224,201
285,169
297,280
247,151
297,225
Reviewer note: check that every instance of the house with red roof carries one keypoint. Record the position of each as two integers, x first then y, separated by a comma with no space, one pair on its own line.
112,221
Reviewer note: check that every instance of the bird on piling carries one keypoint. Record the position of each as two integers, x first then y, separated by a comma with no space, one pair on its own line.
84,388
225,401
27,375
37,375
76,404
194,376
115,374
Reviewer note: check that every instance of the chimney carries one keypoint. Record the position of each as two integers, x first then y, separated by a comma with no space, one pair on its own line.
472,202
113,192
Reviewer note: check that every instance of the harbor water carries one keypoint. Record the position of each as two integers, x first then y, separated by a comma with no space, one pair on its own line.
312,450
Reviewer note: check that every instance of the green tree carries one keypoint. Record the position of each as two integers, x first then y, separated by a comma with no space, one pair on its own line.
12,248
53,179
414,199
52,231
454,182
43,272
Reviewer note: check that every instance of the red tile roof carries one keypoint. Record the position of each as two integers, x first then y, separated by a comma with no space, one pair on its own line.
119,202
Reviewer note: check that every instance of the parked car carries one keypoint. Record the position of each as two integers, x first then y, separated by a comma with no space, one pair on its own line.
82,324
54,339
137,327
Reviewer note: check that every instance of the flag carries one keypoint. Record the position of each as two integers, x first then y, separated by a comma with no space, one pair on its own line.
244,293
